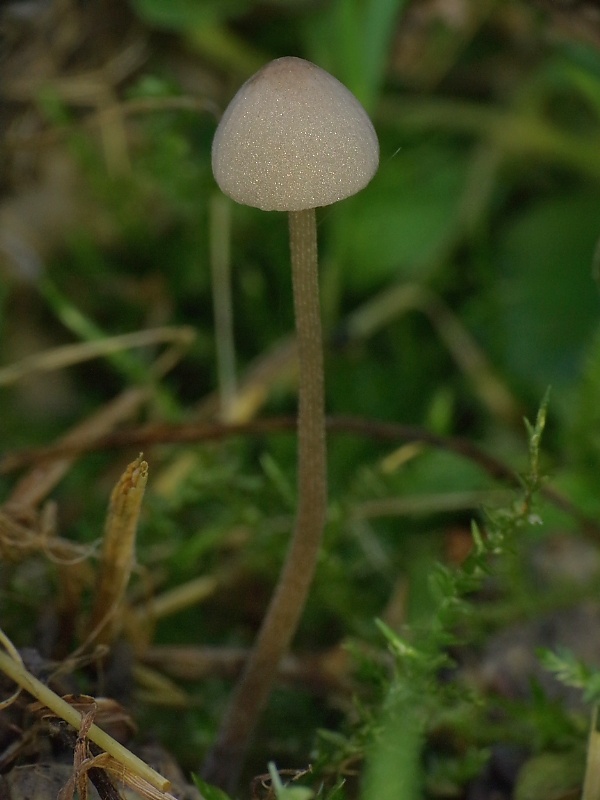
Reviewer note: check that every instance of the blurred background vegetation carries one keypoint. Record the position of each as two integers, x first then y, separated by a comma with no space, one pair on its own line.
456,288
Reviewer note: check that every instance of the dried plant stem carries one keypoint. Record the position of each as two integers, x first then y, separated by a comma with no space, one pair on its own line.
15,670
174,600
43,477
67,355
225,760
118,551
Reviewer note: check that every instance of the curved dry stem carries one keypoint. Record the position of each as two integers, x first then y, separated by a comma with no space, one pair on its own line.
225,760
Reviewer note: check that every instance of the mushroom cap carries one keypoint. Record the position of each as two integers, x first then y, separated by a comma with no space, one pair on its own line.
293,137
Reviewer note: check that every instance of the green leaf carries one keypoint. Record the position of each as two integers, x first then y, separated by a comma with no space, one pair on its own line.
394,765
547,297
208,791
395,229
180,15
285,791
358,54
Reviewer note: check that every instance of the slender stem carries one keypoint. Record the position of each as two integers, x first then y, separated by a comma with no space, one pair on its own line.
225,760
220,264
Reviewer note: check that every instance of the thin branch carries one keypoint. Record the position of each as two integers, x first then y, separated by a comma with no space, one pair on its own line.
145,436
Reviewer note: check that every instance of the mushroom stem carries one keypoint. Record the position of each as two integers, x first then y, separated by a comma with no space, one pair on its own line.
224,762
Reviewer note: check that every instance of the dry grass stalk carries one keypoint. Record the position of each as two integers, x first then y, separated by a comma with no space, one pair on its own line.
323,673
42,478
102,769
67,355
118,551
20,539
61,708
81,754
178,599
159,690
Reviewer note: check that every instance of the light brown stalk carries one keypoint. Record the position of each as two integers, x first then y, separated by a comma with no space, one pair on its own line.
118,553
225,760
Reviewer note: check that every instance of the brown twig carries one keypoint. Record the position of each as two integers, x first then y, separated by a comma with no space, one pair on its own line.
321,672
145,436
46,473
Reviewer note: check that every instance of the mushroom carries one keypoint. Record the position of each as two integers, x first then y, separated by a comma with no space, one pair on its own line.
292,139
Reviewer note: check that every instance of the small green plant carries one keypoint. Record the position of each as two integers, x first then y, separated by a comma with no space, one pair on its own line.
413,699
